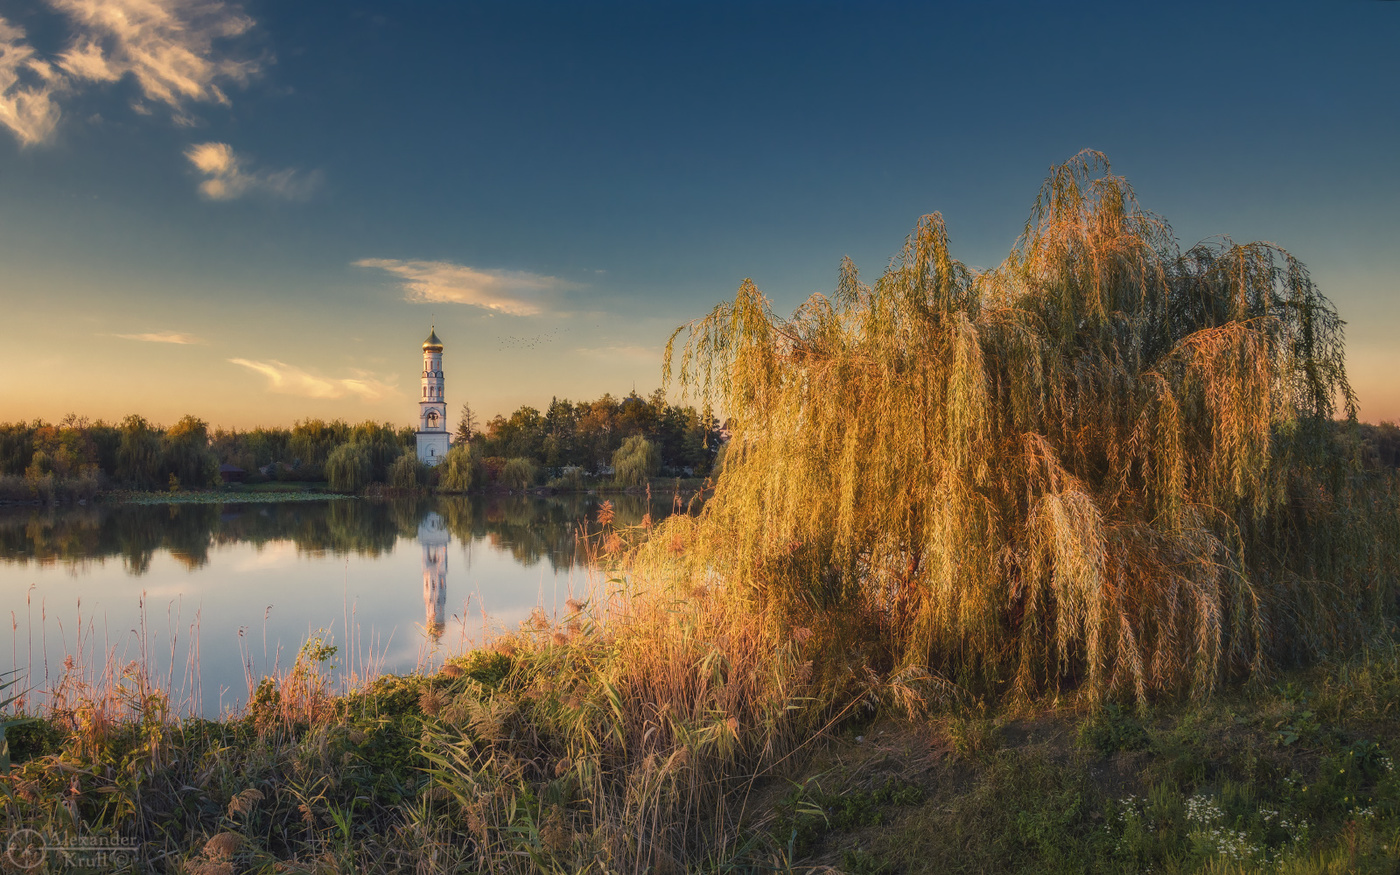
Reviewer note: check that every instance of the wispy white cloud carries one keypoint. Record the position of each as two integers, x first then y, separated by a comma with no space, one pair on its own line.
288,379
162,337
227,175
170,47
167,45
28,86
514,292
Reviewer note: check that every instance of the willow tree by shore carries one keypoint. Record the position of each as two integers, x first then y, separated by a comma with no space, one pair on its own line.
1107,463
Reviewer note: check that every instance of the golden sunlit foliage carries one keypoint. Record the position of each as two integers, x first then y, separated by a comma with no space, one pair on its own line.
1107,461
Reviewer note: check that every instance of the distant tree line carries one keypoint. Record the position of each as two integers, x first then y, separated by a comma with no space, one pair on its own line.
626,439
1381,444
311,449
77,458
589,434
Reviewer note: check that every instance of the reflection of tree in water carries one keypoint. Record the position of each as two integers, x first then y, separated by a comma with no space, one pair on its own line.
188,531
530,528
44,540
337,527
533,528
134,534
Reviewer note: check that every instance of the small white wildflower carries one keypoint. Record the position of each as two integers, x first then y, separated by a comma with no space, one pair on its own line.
1203,810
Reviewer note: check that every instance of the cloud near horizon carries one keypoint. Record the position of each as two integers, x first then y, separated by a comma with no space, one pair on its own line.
167,46
162,337
227,176
513,292
288,379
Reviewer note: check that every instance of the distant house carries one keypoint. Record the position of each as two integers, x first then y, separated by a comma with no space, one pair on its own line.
231,473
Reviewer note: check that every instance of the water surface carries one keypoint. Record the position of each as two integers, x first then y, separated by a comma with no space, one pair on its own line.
210,596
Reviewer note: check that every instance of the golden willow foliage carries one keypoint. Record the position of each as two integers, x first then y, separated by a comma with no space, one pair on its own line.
1107,461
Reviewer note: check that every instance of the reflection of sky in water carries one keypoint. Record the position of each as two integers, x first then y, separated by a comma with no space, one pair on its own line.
255,601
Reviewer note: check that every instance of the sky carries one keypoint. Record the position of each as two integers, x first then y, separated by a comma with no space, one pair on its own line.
253,213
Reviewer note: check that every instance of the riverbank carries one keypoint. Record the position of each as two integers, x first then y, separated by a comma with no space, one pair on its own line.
232,494
285,491
548,754
1292,775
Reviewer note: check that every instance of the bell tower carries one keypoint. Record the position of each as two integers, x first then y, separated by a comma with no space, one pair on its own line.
432,407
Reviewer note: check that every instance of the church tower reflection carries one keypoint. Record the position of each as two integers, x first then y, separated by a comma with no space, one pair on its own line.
433,535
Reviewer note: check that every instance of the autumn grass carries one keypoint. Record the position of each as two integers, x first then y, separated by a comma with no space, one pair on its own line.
583,744
567,748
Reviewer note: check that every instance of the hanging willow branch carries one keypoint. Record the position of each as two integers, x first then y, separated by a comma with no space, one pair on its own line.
1105,461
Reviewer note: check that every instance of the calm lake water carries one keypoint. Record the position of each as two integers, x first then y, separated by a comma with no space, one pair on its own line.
210,596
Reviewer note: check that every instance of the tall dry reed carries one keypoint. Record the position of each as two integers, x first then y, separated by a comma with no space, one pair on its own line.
624,737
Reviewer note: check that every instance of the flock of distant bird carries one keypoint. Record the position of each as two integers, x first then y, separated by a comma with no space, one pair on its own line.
510,341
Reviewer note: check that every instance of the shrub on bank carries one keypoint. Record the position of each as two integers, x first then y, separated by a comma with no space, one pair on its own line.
570,479
349,468
407,472
636,461
519,473
14,487
461,469
50,488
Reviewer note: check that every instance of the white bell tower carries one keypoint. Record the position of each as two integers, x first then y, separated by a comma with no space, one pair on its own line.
432,407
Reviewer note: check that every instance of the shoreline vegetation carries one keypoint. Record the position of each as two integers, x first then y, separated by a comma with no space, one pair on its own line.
1080,564
607,443
293,491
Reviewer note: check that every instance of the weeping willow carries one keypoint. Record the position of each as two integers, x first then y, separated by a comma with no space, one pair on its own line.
1107,462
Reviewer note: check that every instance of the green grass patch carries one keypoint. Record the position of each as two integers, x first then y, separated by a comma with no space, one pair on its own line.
1294,776
233,494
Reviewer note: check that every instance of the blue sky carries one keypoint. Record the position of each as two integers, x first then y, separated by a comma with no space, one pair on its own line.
253,212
